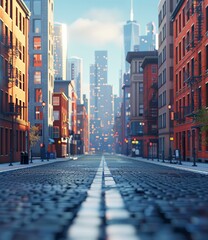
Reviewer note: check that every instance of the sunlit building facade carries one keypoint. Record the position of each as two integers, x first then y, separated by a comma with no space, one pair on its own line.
60,51
14,125
165,77
41,70
75,72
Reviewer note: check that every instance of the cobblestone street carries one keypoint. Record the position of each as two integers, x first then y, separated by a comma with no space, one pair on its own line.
103,197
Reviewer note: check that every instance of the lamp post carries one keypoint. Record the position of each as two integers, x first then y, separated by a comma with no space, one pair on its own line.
170,149
43,145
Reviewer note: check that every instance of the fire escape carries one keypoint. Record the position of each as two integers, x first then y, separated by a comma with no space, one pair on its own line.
151,114
11,110
193,78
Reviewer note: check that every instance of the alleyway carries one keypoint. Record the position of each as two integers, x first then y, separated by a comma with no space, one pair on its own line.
103,197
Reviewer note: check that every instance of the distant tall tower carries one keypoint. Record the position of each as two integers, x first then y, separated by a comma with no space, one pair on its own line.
41,69
148,41
60,50
131,35
75,72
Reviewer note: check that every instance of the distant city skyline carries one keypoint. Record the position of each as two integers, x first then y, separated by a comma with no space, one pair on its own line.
98,25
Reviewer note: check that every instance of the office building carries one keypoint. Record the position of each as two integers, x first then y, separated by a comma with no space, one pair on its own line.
60,51
101,105
75,72
148,42
131,36
41,69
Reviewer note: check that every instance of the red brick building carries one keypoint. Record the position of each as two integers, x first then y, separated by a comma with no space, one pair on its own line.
190,76
60,124
150,117
136,124
14,125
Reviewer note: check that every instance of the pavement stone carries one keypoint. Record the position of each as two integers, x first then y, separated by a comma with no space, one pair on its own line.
103,198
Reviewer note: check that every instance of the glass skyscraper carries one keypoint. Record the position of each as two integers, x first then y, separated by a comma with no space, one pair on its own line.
131,36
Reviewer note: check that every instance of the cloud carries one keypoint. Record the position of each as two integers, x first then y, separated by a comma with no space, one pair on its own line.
99,28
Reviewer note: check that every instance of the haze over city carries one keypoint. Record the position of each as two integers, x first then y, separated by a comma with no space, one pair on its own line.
78,162
98,25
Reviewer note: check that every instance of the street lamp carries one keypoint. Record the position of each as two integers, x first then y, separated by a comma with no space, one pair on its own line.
170,150
43,145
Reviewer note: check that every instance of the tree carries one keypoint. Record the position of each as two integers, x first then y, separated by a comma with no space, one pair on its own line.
202,119
34,137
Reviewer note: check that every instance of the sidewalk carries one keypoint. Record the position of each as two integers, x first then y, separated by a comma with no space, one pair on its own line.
201,168
4,167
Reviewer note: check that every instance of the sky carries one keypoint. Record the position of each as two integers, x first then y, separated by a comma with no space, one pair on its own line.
98,25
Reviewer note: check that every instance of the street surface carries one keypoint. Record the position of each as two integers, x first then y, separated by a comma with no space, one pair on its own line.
103,198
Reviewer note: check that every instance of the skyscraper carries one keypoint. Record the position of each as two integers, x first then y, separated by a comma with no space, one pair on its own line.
131,35
41,71
101,104
75,72
148,42
60,51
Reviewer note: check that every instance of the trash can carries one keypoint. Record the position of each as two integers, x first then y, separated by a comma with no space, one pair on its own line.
26,158
22,158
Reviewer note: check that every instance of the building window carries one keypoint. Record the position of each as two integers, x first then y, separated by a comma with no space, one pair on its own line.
6,6
38,95
55,115
141,110
1,31
183,18
1,70
154,69
171,73
207,21
37,77
199,98
206,94
188,41
37,7
199,64
207,59
37,60
56,101
37,26
16,16
140,67
55,132
1,140
200,140
192,36
37,43
38,113
184,47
